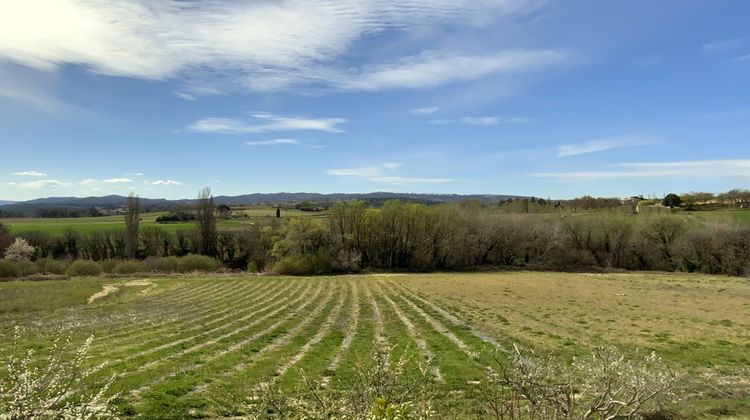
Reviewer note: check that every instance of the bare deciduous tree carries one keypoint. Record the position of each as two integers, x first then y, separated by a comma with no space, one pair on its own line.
204,214
132,220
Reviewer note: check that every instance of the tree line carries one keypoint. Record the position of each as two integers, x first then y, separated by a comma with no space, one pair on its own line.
416,237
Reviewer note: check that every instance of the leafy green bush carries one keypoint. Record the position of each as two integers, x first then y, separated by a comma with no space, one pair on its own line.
109,265
163,265
51,266
192,262
252,267
26,268
130,267
8,269
83,268
303,265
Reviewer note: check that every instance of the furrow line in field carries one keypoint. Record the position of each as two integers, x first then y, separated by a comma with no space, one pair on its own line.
237,346
377,314
225,309
215,340
437,326
189,349
145,313
278,341
244,315
415,336
351,330
208,306
289,334
322,332
72,317
455,320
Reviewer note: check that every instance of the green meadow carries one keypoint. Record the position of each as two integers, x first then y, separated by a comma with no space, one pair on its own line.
56,226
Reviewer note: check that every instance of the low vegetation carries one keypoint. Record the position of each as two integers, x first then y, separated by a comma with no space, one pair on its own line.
389,345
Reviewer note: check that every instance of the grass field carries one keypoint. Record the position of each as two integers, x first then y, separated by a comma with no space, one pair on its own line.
741,216
56,226
189,346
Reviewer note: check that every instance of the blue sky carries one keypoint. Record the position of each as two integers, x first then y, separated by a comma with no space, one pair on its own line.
552,99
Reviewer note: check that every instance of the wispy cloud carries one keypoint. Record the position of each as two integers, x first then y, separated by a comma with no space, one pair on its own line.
166,182
117,181
481,121
607,143
267,122
274,142
435,68
93,182
424,111
485,121
721,45
253,44
40,184
30,173
743,58
688,169
383,173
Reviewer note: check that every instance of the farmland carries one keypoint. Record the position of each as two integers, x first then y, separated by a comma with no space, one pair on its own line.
247,215
56,226
200,346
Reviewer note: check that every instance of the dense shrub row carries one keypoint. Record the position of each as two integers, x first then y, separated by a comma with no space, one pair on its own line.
87,268
416,237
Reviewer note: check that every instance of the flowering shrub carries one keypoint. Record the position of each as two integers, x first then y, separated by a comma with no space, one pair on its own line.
43,392
607,384
20,250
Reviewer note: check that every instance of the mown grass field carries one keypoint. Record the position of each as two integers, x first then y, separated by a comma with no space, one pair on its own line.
56,226
199,346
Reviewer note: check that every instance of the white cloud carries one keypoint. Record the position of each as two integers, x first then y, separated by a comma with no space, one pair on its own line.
424,111
608,143
722,45
481,121
117,181
435,68
88,181
382,173
41,184
166,182
271,123
273,142
258,44
30,173
31,87
688,169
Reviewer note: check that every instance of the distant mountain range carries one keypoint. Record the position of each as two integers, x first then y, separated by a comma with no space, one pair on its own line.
116,201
